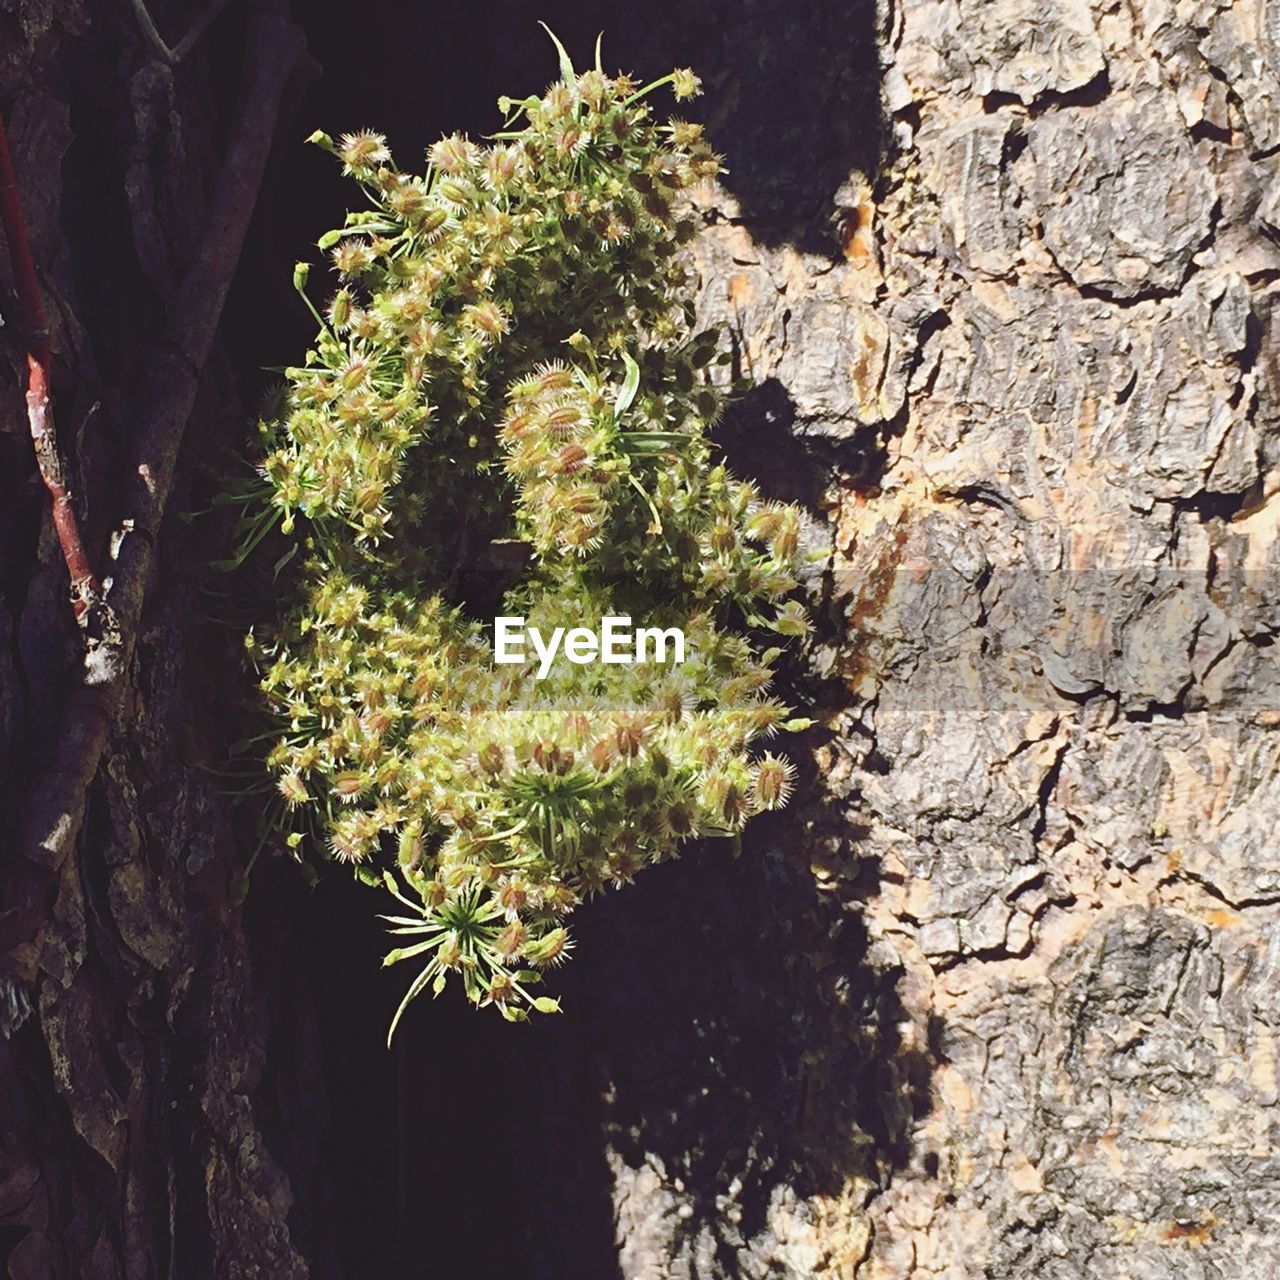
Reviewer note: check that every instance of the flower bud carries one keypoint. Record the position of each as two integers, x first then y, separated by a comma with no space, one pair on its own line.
684,84
772,783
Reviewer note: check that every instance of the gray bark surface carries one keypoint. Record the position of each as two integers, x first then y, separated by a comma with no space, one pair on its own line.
1056,759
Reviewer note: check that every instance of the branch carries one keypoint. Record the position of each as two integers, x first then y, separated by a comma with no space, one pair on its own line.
57,798
85,589
171,57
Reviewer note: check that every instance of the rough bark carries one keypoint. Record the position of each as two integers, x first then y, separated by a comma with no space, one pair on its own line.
128,1142
1053,324
996,997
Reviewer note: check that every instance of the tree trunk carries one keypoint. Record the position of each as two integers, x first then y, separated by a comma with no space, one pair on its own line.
996,996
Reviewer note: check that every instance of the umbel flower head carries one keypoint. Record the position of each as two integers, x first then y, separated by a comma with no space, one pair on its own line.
510,355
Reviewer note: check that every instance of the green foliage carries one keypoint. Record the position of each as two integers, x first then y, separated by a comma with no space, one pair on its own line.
512,354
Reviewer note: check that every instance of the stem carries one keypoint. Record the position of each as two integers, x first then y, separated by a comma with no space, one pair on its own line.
84,583
640,489
151,33
649,88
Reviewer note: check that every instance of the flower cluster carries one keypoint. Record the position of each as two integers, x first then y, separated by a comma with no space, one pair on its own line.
510,355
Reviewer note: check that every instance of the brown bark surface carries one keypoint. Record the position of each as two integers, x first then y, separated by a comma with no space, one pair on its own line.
135,1030
997,996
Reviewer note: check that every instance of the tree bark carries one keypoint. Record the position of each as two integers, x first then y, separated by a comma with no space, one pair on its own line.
1053,329
129,1143
996,996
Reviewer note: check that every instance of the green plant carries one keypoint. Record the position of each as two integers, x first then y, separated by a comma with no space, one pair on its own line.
512,354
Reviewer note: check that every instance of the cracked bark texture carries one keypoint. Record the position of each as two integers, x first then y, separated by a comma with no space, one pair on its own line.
1052,328
997,996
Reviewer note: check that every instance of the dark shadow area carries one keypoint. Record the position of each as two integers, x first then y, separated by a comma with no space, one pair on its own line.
737,1034
725,1020
723,1017
10,1239
757,438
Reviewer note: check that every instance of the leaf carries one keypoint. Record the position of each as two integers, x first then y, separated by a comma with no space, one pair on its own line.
405,953
567,73
262,526
284,560
651,442
630,385
418,983
372,225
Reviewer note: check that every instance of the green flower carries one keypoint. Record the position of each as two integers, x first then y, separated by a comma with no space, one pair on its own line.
510,360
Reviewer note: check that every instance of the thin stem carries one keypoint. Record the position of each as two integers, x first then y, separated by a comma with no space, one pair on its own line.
151,33
649,88
84,583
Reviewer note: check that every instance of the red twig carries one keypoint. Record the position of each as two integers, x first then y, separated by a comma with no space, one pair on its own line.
84,584
56,797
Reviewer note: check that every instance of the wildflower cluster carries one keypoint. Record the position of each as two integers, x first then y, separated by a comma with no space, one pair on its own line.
510,354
